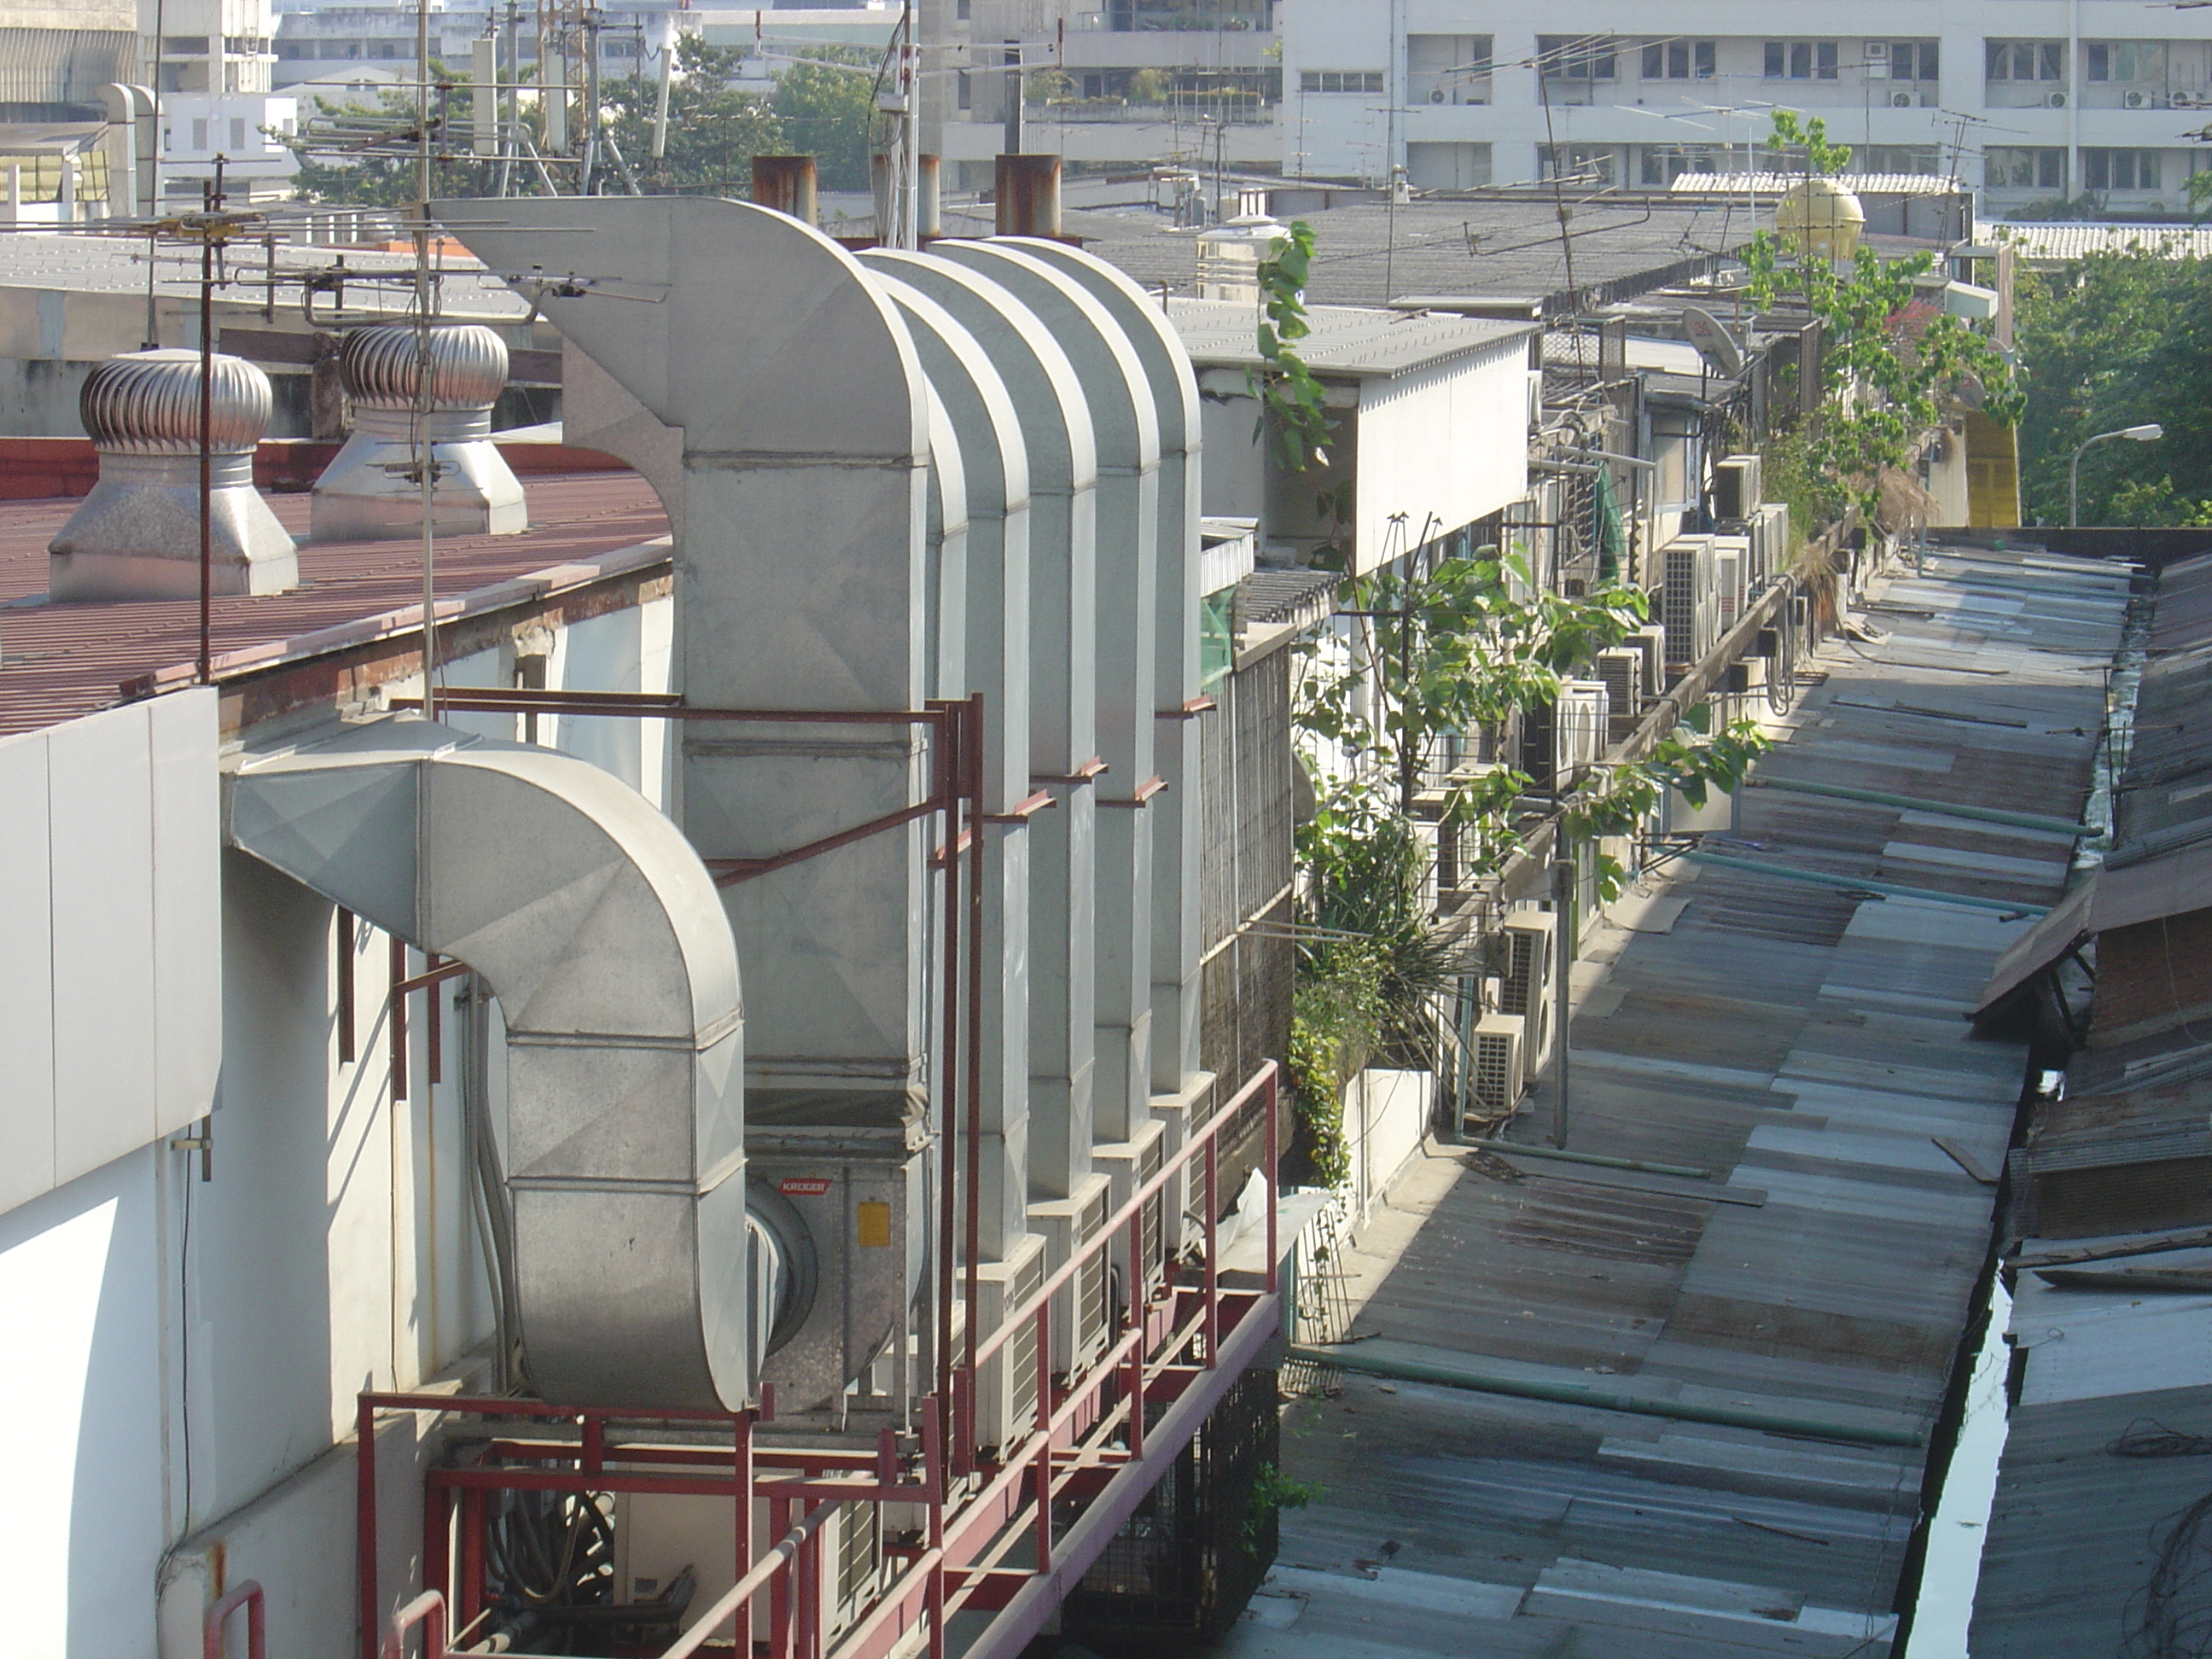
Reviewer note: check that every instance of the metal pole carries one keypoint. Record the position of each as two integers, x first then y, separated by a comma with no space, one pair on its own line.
424,462
207,433
1563,941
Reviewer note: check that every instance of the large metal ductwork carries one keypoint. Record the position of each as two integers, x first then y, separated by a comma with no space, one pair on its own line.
1125,428
1063,691
1176,679
370,491
895,478
136,535
980,417
598,928
802,501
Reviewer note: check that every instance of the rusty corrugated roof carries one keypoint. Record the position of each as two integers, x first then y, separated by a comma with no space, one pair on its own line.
58,661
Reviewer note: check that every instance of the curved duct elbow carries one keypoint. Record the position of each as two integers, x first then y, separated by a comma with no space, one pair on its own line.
602,935
366,492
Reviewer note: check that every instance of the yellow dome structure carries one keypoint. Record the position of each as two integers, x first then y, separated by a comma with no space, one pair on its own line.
1818,216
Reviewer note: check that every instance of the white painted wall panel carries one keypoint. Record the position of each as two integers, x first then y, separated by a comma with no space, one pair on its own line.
26,1004
83,1525
187,835
1444,446
101,817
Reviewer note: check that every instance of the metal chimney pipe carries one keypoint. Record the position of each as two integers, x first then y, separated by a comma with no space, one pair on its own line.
883,190
786,183
1027,196
929,218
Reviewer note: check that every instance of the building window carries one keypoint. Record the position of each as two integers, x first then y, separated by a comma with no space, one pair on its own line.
2013,166
1679,60
1660,164
1339,80
1448,68
2125,60
1801,60
1447,167
2119,169
1575,57
1921,161
184,45
2028,60
962,12
237,132
1912,60
967,90
1588,165
200,144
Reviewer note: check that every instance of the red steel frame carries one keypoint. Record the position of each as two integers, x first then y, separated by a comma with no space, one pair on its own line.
1178,1349
973,1504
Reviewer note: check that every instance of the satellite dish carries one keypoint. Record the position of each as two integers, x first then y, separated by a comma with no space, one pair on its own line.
1706,334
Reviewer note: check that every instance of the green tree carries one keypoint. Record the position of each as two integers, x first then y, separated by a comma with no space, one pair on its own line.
715,130
1891,364
2114,340
826,106
357,154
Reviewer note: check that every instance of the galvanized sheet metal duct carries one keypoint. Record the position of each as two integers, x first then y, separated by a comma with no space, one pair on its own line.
802,583
1057,425
596,927
993,459
1125,425
1175,935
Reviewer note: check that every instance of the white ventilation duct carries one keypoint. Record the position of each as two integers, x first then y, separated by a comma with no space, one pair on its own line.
800,500
136,535
1063,468
905,476
596,926
369,492
992,458
1125,427
1175,813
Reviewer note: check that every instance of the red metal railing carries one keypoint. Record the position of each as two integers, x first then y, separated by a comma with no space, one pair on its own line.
1090,1453
1088,1439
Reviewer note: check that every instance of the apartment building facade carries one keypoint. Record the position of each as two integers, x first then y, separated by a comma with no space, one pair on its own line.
1111,87
2028,101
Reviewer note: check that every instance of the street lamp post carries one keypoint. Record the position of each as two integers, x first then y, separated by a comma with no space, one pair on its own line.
2150,432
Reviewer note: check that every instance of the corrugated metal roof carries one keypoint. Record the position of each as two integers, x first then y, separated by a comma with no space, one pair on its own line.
2075,1531
59,662
1369,253
1804,1045
2054,244
1346,339
1773,184
377,282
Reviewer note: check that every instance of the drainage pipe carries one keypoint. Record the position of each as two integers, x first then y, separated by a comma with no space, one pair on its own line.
1858,884
1936,808
1475,1381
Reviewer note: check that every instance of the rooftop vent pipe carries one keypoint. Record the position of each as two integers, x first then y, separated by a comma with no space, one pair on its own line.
1026,193
367,493
786,184
601,934
928,216
136,535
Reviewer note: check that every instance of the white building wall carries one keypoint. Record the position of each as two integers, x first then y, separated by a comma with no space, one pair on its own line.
193,1348
1443,446
1615,124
